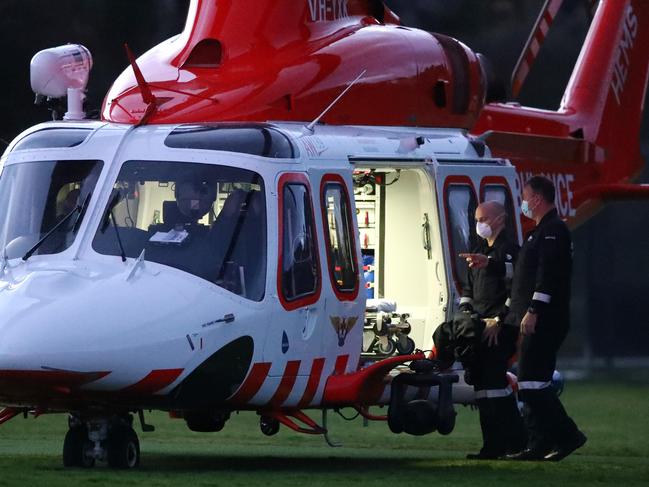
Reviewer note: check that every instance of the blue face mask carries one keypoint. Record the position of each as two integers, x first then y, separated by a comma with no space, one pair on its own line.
525,209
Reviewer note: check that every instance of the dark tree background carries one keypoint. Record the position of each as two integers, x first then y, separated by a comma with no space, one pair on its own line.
611,281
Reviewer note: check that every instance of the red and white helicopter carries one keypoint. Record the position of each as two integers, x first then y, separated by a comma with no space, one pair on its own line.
201,248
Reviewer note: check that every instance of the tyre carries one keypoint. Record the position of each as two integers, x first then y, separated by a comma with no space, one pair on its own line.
76,447
386,347
122,447
405,348
268,426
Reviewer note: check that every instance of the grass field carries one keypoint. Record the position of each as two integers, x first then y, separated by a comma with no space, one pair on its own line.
615,416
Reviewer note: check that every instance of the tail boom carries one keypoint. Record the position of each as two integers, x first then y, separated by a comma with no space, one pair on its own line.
597,125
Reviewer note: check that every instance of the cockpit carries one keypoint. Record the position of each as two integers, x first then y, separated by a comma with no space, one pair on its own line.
204,219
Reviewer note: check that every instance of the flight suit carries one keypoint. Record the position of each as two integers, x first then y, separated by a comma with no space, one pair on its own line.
487,291
541,285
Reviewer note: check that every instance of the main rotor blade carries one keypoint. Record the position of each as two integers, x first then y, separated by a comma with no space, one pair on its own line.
533,44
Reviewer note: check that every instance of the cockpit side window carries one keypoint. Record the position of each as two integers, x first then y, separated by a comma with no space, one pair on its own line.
299,264
204,219
41,198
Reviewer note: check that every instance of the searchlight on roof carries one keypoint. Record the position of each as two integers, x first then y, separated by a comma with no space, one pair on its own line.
62,71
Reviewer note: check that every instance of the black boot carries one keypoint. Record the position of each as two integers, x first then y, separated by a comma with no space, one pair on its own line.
540,442
567,437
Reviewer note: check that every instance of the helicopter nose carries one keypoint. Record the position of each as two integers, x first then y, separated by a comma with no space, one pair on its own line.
42,331
30,346
98,328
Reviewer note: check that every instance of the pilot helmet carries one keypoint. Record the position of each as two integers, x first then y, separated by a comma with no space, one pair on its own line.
194,199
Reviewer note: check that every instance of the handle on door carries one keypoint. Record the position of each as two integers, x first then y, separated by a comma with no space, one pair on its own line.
425,229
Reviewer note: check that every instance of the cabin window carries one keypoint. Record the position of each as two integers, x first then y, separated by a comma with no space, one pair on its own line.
502,194
300,270
41,198
336,213
203,219
461,205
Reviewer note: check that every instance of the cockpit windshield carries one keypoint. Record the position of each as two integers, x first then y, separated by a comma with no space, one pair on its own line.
204,219
36,196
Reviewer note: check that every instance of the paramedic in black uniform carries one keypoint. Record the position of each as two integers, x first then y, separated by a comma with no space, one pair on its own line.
486,293
540,301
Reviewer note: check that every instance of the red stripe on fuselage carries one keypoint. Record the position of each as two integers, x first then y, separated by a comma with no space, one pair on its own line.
153,382
24,379
313,383
252,384
286,385
37,385
341,364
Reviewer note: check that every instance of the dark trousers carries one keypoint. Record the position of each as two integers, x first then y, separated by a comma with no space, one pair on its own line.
490,365
547,422
500,421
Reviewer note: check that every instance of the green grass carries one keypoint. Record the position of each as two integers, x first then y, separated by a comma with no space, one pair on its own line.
614,416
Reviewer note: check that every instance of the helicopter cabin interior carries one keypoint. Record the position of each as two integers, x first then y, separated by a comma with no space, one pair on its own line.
402,245
402,258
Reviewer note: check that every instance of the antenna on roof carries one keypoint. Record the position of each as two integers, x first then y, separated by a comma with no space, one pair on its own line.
309,128
147,96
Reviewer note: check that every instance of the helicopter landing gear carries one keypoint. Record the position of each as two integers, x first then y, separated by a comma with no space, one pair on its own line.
77,449
113,441
269,426
122,448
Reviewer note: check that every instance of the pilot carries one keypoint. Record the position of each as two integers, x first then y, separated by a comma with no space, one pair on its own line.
194,199
486,293
540,301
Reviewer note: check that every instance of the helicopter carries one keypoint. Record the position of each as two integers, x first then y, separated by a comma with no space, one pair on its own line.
269,213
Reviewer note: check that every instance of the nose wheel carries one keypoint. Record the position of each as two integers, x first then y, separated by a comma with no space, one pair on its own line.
113,441
122,448
77,449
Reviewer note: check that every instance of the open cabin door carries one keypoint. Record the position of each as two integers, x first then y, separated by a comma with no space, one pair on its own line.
461,187
398,225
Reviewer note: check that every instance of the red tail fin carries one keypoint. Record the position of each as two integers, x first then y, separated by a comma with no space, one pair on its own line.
607,88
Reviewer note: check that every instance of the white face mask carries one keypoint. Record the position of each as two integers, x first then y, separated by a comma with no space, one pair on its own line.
483,230
526,210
